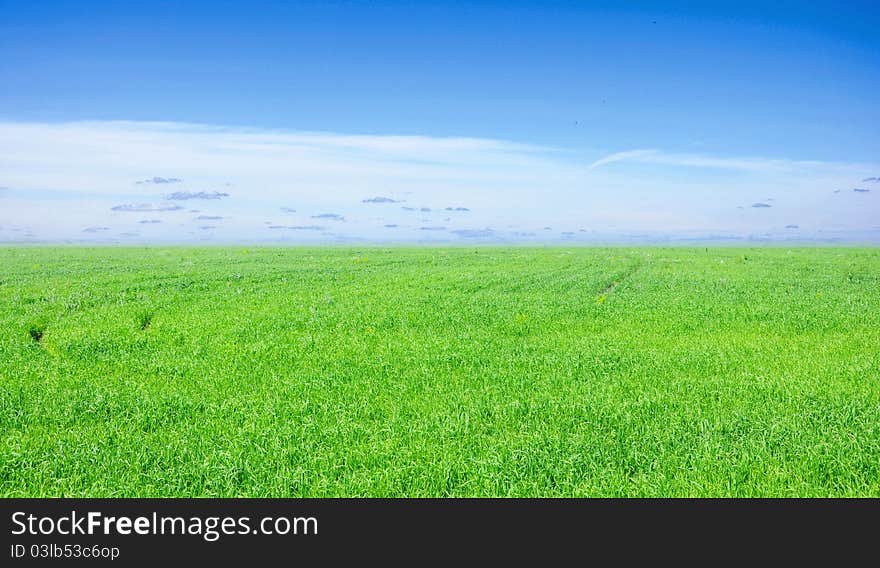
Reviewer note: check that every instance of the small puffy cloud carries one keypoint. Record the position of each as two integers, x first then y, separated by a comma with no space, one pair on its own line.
567,233
208,218
792,227
473,233
95,229
425,209
548,228
874,179
184,195
288,210
761,205
432,228
405,208
861,190
331,216
129,235
457,209
144,207
207,227
380,199
160,180
392,226
149,221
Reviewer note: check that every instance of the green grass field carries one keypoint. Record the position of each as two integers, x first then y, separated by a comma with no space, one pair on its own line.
283,372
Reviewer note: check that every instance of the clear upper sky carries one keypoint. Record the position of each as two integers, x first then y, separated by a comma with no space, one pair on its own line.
762,100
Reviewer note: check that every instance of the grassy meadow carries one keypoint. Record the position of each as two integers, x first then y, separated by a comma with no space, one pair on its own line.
286,372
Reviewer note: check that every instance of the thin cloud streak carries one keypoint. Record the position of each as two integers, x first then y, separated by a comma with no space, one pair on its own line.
748,164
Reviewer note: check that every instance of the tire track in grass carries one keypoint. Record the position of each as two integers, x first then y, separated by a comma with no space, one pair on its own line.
617,280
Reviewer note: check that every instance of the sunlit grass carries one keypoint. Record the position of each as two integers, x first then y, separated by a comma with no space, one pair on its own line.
439,372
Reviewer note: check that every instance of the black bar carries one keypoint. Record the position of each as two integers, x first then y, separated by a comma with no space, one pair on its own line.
451,530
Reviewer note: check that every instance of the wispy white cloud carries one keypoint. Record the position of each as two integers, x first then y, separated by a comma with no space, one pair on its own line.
628,156
748,164
63,178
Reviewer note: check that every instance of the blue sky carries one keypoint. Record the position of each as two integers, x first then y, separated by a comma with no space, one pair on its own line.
649,120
